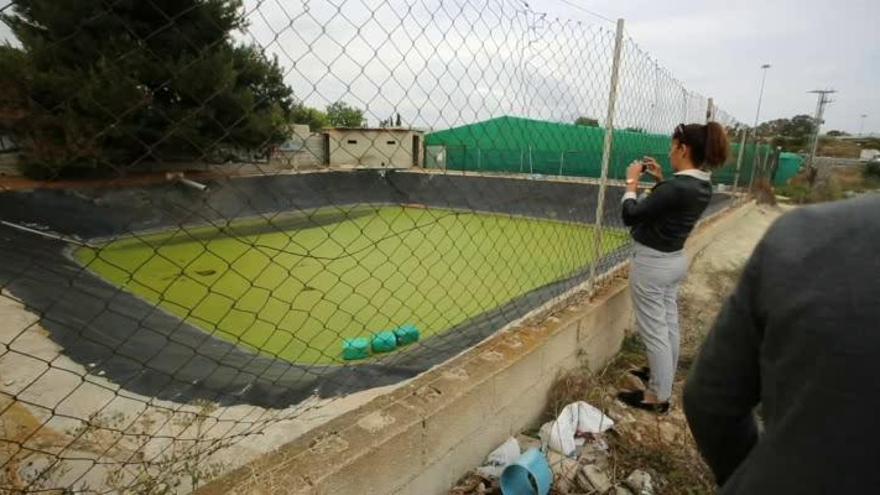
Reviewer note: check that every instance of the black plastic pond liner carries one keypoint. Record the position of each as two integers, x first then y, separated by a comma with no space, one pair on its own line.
150,352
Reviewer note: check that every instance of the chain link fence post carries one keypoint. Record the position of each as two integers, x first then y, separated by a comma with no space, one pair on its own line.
606,151
756,162
754,167
739,159
766,162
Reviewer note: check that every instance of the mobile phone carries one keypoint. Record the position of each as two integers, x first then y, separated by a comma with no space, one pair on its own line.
644,167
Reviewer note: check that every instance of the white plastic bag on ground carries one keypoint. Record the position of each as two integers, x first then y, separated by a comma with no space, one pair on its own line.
499,458
577,417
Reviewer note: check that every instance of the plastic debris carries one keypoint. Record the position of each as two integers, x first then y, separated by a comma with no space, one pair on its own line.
500,458
407,334
575,420
384,342
355,349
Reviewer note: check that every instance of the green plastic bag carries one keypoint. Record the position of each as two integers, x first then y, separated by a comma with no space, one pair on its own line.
384,342
407,334
355,349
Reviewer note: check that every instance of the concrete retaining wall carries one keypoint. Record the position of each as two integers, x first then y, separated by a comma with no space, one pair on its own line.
423,436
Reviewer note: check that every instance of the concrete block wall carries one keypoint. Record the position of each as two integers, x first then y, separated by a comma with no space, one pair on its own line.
390,147
311,155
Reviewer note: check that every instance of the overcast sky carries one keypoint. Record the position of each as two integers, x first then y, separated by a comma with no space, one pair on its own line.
717,48
443,63
554,71
714,48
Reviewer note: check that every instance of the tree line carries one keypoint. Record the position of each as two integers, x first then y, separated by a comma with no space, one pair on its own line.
93,86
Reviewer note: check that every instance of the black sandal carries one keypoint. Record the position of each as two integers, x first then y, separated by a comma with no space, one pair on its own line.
643,373
636,399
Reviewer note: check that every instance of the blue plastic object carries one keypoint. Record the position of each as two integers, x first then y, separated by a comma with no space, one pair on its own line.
407,334
530,474
384,342
355,349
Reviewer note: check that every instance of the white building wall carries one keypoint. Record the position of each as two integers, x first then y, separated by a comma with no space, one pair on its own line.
392,148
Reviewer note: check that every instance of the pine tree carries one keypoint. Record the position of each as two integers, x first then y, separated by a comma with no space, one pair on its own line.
108,84
341,114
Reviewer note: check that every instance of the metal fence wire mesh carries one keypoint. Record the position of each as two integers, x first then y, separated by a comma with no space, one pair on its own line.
256,207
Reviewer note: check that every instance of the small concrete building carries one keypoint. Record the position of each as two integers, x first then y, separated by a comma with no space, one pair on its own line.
389,147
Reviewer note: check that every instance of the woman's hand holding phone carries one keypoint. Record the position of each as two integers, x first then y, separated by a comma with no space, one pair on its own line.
652,168
634,172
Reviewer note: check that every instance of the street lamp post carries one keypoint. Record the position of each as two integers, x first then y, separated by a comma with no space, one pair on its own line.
761,95
755,127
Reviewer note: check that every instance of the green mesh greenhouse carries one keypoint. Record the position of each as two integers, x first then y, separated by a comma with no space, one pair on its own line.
519,145
789,166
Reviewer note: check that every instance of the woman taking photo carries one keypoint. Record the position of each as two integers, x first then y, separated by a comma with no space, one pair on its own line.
660,223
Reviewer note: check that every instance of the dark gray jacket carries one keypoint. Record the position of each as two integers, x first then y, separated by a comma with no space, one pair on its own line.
801,337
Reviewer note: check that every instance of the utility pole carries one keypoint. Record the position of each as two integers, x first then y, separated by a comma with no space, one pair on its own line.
823,101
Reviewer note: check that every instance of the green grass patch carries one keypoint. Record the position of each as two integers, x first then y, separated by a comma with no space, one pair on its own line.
295,287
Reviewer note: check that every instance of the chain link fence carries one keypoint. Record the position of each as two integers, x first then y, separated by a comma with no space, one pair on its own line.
237,212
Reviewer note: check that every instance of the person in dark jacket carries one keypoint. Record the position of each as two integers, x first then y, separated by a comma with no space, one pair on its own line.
660,223
801,337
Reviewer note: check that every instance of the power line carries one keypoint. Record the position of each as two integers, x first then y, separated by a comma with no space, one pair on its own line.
588,11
